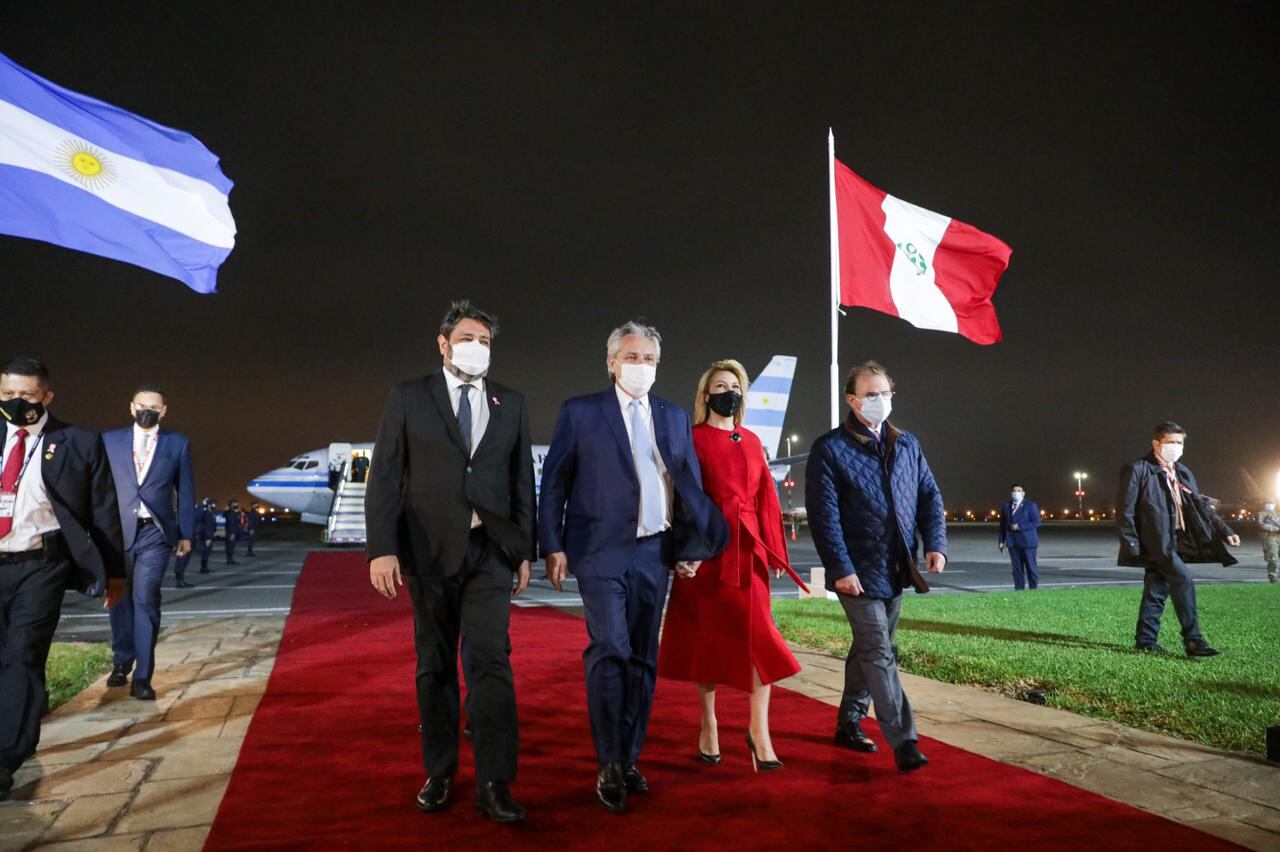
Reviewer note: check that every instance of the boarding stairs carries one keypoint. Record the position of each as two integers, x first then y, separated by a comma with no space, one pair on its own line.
346,516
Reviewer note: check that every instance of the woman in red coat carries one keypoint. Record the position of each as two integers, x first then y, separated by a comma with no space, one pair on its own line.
719,627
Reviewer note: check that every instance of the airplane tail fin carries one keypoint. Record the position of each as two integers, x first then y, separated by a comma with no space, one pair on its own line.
767,400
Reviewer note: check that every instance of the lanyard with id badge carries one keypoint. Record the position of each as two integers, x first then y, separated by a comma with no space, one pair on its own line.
9,499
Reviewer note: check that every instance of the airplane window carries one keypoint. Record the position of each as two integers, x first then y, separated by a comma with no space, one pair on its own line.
298,465
311,465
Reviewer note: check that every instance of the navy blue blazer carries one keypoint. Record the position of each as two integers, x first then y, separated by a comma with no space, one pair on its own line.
169,489
1027,517
590,495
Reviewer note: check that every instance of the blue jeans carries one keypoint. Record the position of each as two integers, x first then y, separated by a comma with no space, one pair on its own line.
621,661
1162,581
1025,571
135,620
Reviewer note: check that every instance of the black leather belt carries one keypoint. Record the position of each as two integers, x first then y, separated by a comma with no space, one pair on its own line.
24,556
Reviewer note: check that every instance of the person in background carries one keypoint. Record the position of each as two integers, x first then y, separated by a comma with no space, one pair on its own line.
251,520
1165,522
59,530
180,563
231,529
1269,528
206,531
719,627
1019,522
360,468
155,489
870,494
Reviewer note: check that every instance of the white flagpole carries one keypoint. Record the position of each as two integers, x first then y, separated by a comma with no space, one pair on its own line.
834,307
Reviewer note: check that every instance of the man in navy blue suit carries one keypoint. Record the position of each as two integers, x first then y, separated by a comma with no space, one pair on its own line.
155,488
1019,519
621,504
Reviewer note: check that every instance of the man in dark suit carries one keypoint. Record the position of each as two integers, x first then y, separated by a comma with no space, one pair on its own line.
155,489
251,519
621,503
1019,521
1165,522
451,503
59,529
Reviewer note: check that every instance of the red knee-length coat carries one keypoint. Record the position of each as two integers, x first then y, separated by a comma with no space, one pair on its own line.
719,623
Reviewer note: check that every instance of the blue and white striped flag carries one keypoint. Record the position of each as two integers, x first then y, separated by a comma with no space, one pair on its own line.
80,173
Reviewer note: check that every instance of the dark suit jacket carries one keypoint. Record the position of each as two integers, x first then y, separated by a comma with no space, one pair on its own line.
78,478
423,488
590,496
1027,517
169,489
206,525
1146,518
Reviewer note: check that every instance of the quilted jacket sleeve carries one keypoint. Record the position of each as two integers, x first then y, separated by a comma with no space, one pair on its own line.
930,519
822,501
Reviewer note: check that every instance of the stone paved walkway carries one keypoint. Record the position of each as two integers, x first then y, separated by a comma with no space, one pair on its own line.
114,773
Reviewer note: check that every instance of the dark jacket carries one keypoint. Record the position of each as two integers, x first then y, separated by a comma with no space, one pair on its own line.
590,495
168,490
424,487
206,525
1027,517
1145,518
78,478
849,511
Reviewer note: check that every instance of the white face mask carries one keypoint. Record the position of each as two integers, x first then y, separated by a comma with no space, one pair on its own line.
876,411
471,357
1170,452
1017,496
636,379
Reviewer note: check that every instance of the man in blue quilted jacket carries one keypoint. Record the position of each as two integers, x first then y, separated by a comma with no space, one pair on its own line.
870,495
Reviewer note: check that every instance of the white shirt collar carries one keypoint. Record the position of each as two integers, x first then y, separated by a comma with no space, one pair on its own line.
33,431
138,432
625,399
454,382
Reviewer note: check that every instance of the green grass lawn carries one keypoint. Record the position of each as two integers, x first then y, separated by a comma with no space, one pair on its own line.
1077,645
73,666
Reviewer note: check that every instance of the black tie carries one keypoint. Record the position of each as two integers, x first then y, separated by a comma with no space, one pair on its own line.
464,417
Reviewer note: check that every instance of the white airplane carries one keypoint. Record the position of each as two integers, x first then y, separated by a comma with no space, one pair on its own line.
303,484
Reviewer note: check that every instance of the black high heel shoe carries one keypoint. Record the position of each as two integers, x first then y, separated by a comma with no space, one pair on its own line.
708,759
757,764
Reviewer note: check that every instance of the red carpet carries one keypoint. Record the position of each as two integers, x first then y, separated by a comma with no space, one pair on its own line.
332,760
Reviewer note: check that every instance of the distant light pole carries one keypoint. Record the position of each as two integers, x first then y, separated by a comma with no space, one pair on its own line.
790,483
1080,478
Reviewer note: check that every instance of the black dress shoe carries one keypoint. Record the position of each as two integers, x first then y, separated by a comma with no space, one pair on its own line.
908,757
634,781
493,799
850,736
119,676
434,795
1201,648
141,690
611,788
1151,648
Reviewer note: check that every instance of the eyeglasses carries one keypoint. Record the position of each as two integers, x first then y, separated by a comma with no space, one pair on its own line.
874,395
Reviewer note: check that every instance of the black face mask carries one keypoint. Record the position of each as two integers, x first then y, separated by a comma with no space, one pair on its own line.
147,418
725,404
20,412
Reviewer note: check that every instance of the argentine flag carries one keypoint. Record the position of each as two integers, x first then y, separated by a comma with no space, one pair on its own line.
80,173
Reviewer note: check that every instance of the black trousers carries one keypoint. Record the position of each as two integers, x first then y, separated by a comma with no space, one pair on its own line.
475,601
30,606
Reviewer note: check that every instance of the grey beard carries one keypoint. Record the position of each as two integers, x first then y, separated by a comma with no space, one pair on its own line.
466,377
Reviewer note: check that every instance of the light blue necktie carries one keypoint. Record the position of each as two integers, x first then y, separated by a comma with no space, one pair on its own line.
652,515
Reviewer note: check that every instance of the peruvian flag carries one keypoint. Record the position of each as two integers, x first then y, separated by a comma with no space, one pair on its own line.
900,259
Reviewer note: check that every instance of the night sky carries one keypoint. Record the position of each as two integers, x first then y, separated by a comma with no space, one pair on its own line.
571,169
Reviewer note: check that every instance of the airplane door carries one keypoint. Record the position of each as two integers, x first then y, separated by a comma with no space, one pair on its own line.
339,462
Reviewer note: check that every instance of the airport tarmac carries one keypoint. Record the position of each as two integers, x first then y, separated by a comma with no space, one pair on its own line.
1071,556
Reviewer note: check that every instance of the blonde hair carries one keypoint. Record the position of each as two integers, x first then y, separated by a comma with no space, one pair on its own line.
728,365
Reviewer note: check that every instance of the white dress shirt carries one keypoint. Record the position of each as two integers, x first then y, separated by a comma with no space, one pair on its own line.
664,478
33,513
479,414
140,451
